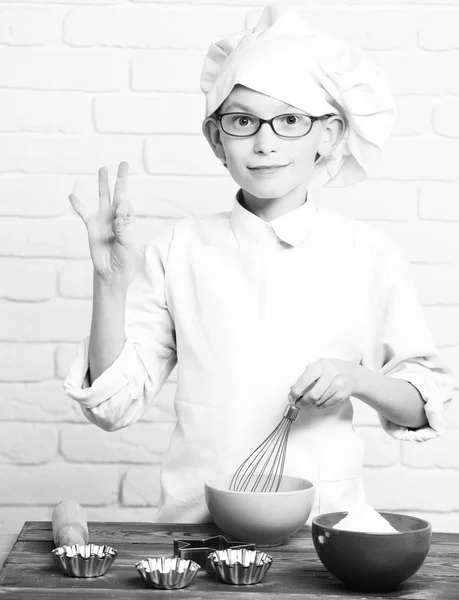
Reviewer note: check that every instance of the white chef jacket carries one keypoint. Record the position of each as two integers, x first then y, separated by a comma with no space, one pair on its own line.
241,306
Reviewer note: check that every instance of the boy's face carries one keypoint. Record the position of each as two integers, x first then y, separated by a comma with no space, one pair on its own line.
266,165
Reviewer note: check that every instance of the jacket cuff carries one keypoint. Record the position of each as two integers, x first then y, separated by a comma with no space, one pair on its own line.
109,383
434,409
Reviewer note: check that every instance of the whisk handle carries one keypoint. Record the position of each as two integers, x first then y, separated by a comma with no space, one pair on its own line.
291,412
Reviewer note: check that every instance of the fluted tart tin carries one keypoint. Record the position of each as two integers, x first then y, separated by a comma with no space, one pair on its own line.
88,560
167,572
198,549
238,566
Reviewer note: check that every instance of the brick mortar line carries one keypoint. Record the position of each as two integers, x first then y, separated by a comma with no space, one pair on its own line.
346,5
409,51
212,176
69,297
352,7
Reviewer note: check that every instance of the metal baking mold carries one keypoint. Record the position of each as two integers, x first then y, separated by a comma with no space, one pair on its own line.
167,572
239,566
198,549
88,560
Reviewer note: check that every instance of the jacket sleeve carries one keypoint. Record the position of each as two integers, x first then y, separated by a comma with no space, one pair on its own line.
400,345
121,394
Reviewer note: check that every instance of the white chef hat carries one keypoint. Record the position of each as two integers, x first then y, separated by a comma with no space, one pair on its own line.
283,57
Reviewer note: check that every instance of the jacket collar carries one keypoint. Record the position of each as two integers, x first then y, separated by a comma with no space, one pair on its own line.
291,228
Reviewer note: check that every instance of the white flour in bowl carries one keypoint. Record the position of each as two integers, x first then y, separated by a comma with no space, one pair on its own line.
365,519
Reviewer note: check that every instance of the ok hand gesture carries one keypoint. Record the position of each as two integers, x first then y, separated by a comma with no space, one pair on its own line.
110,228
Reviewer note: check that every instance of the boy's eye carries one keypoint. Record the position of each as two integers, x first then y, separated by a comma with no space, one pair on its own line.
292,119
242,120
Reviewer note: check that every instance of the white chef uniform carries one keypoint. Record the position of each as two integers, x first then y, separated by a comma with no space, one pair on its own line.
245,305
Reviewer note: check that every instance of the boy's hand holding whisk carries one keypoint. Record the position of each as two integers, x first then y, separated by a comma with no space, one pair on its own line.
326,382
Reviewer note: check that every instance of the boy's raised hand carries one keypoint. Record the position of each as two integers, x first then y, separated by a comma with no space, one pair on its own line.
110,228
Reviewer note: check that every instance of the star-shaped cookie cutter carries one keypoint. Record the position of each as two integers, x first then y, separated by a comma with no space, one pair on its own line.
198,549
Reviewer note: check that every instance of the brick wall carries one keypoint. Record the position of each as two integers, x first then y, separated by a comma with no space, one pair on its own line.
95,82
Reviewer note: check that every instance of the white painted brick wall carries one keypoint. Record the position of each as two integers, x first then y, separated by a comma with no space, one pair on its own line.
27,26
141,113
438,201
26,362
63,112
140,443
27,281
92,82
28,443
137,487
63,68
154,26
167,71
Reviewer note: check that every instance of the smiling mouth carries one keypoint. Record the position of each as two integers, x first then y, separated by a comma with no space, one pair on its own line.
267,168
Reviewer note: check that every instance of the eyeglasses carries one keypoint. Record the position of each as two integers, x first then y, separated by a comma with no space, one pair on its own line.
290,125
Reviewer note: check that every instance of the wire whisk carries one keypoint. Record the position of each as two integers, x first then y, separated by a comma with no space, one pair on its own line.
262,471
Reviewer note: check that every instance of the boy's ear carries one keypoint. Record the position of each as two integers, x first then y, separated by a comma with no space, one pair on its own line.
331,135
211,132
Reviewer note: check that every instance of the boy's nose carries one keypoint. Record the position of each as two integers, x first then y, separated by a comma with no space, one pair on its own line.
265,140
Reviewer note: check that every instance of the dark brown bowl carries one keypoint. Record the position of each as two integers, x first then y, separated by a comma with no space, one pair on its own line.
376,562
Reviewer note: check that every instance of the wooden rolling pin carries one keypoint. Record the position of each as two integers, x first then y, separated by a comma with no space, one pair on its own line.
69,524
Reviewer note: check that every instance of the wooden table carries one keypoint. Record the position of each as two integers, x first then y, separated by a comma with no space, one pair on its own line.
296,573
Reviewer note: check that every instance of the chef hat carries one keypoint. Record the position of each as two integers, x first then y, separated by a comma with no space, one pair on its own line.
283,57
